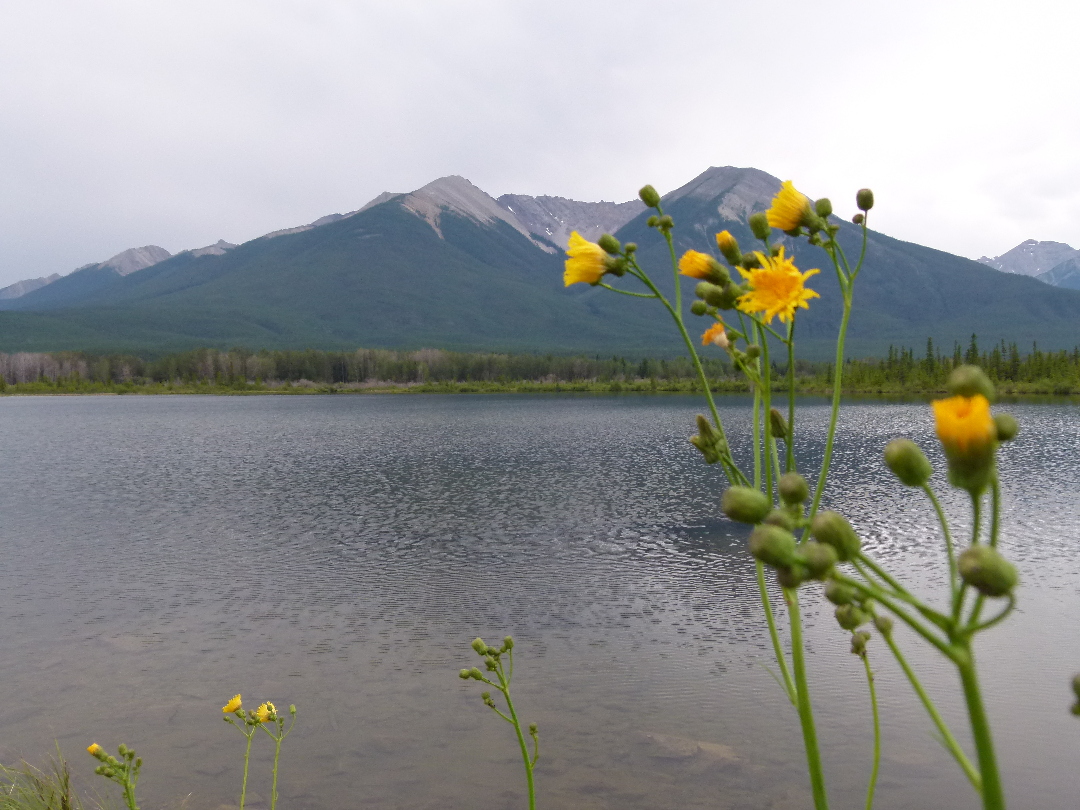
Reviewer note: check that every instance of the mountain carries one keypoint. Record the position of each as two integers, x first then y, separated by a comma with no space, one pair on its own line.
1066,274
449,266
1032,258
21,288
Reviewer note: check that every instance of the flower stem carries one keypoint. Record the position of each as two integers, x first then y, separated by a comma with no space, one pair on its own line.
781,661
993,795
273,784
806,712
877,733
505,689
247,757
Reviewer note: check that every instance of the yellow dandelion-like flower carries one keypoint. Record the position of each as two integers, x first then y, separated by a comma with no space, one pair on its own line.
789,208
776,288
94,749
725,241
232,706
697,265
716,335
964,424
265,713
586,262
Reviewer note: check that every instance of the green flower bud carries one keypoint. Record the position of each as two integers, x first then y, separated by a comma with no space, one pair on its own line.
773,546
479,646
649,196
616,265
849,616
858,219
759,225
508,643
793,488
653,221
1007,427
464,674
666,223
884,624
699,308
792,576
818,558
908,462
840,594
781,518
711,293
823,207
609,243
745,504
476,674
1076,686
292,708
778,424
967,381
491,663
749,261
729,297
987,571
833,529
753,351
864,198
122,750
629,247
533,728
858,642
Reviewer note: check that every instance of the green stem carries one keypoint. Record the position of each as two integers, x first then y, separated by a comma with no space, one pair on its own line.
949,550
877,733
770,619
766,409
992,794
273,784
505,689
247,757
947,737
995,514
958,602
790,440
806,712
756,432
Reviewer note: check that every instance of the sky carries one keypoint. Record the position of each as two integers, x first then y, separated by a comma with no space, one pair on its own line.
129,122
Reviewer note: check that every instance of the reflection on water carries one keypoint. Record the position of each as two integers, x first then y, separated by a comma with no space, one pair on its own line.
160,554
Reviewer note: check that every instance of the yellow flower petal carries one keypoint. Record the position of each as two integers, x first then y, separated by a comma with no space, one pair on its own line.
964,423
716,335
265,713
789,208
777,288
232,706
696,264
94,749
586,262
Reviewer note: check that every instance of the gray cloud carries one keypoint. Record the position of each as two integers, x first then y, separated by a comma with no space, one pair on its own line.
179,123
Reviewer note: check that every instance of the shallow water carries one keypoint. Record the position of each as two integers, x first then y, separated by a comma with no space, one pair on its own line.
339,553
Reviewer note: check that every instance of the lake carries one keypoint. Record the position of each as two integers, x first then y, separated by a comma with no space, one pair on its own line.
160,554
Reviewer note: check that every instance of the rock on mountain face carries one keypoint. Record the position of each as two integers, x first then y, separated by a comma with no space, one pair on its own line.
136,259
21,288
1032,258
555,218
1066,274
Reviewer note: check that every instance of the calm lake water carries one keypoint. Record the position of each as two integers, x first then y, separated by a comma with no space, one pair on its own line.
160,554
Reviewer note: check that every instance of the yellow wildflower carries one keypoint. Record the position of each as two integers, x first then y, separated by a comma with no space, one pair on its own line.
776,288
789,209
94,749
586,262
232,706
964,423
729,247
266,712
697,265
716,335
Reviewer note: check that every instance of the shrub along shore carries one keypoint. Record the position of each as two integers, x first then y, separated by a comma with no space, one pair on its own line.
238,371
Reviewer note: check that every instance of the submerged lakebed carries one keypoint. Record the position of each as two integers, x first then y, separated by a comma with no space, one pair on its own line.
340,553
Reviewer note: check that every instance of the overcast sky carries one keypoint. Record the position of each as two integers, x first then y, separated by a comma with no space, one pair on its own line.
180,123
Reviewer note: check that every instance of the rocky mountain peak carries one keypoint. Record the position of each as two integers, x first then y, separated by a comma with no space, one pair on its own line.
136,259
738,192
1031,257
555,218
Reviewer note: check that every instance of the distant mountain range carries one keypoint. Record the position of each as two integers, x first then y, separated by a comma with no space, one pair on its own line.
449,266
1053,263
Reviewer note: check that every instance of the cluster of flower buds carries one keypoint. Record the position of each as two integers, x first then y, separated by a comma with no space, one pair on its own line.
492,658
124,770
709,441
266,713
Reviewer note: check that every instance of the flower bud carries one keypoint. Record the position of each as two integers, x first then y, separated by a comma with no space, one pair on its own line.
858,642
1076,686
823,207
864,198
839,594
792,576
793,488
479,646
490,663
123,749
858,219
533,728
884,624
987,571
908,462
745,504
711,293
699,308
968,435
508,643
476,674
666,223
292,708
630,247
728,297
759,225
729,248
772,545
464,674
609,243
1007,427
753,351
653,221
781,518
818,558
649,196
849,616
968,381
833,529
778,424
